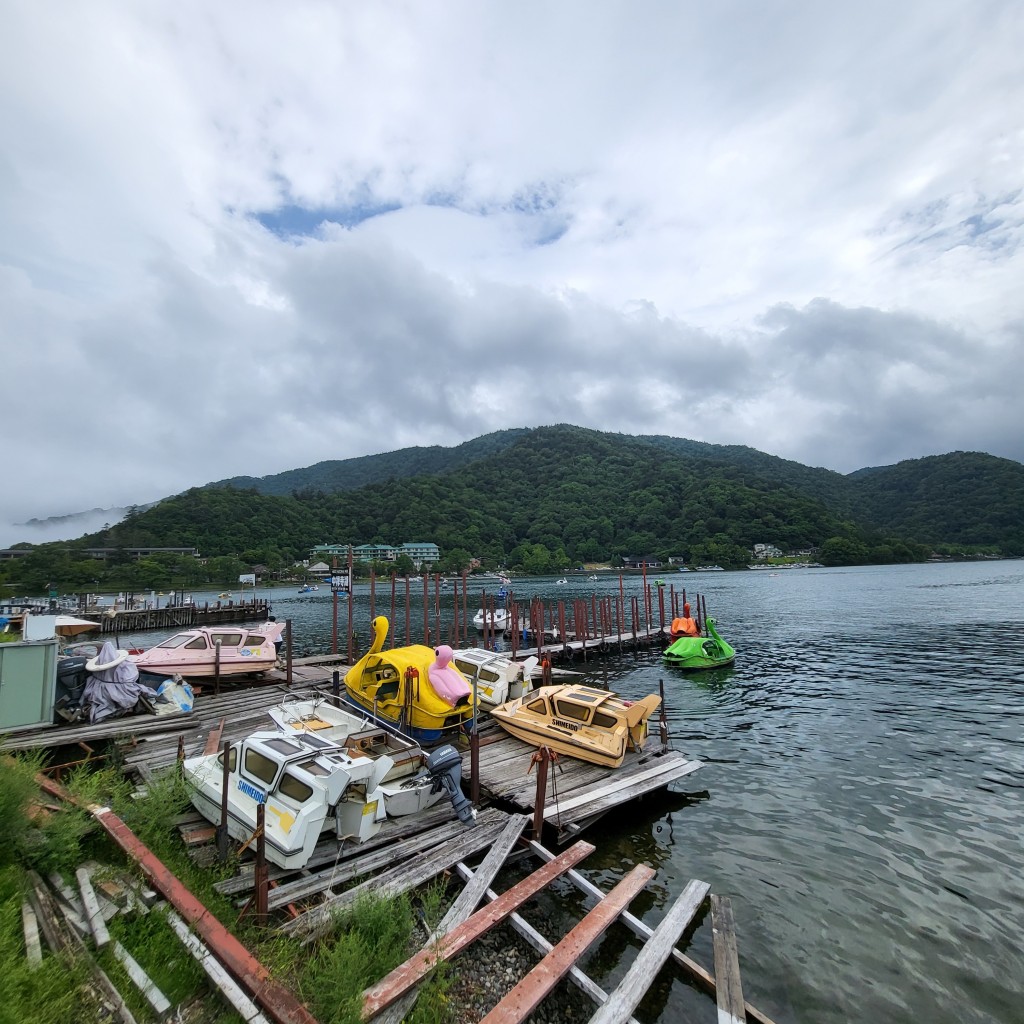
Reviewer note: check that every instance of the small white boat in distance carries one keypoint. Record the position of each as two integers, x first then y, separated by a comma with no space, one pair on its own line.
561,581
494,619
325,773
495,678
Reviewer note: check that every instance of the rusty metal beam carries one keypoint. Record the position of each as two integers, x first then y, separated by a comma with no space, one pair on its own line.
527,995
278,1002
404,976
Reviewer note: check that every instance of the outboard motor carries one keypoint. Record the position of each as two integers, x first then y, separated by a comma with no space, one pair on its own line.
444,766
71,679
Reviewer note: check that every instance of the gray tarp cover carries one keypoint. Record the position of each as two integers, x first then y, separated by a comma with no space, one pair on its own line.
112,692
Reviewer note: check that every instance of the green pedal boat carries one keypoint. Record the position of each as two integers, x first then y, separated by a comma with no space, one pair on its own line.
697,652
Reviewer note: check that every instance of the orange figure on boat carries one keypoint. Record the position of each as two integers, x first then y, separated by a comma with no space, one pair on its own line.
684,626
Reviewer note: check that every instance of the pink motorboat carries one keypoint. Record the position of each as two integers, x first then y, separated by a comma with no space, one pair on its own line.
193,652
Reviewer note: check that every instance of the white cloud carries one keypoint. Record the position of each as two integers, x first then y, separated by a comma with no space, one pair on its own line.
793,227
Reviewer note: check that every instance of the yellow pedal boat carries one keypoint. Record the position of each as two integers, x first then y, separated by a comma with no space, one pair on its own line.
593,725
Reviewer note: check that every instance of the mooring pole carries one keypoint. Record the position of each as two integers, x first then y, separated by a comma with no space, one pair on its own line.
222,828
474,766
216,667
288,652
542,791
662,717
261,877
336,684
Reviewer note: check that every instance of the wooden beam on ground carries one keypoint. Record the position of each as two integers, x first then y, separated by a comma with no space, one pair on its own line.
142,981
93,914
401,878
699,974
403,977
232,992
656,950
463,906
30,925
539,943
526,996
727,963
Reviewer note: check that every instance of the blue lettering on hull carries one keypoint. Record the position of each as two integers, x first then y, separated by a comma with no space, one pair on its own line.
251,791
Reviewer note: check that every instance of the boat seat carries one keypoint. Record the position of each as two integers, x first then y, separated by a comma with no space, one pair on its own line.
387,691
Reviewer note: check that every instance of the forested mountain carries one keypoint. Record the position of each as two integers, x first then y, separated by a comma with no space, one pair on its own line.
545,499
350,474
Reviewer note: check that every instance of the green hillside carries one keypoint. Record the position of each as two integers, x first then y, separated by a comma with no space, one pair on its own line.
553,497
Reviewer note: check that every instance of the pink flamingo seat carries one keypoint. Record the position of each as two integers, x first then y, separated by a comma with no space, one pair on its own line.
446,681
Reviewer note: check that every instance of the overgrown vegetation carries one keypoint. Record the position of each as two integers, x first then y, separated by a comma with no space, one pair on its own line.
370,940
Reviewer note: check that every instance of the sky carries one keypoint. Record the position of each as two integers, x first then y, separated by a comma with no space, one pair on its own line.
245,237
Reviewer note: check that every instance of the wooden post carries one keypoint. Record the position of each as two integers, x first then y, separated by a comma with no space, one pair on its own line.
474,766
662,717
543,754
336,684
288,652
222,829
426,597
261,878
216,667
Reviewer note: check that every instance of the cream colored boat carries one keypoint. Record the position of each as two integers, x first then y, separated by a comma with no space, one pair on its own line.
593,725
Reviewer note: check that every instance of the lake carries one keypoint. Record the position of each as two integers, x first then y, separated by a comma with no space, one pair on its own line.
862,799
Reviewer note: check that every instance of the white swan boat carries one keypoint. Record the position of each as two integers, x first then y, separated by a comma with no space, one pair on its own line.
321,770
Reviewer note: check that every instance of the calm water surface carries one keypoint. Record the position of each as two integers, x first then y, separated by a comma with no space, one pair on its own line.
862,799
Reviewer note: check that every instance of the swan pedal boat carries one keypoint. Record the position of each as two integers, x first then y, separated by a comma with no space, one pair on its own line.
590,724
193,652
321,770
394,687
700,652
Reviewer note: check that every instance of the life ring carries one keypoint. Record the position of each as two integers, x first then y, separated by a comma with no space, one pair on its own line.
94,664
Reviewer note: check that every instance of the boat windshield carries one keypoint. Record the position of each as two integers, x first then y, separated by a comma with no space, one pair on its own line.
180,639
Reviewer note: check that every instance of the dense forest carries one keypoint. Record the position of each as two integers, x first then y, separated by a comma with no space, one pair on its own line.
546,499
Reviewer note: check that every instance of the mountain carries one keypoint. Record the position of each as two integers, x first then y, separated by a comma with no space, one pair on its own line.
546,498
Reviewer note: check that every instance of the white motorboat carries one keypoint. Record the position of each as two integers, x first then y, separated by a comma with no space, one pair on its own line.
493,619
321,771
495,678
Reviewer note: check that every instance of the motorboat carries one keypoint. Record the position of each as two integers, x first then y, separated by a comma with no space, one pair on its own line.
584,722
699,652
308,589
311,784
207,650
495,678
493,619
708,568
413,690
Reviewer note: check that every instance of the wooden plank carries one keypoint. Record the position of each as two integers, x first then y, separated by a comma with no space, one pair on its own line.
289,892
403,977
463,906
142,981
231,991
93,914
727,963
652,956
400,878
213,740
619,787
539,943
527,995
701,975
30,925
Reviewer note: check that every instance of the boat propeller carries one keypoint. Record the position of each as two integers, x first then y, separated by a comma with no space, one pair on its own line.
444,767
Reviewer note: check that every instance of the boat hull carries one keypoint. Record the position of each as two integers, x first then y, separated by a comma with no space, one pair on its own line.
696,653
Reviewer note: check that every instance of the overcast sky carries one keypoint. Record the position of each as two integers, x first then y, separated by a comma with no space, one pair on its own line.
244,237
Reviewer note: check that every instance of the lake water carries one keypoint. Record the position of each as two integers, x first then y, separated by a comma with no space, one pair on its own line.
862,799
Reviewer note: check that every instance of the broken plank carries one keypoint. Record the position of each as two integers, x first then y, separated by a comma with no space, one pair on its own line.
463,906
400,878
93,913
30,925
656,950
142,981
727,963
213,740
701,975
526,996
539,943
403,977
231,991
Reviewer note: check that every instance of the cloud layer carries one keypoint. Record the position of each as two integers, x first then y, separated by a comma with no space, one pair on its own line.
240,238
